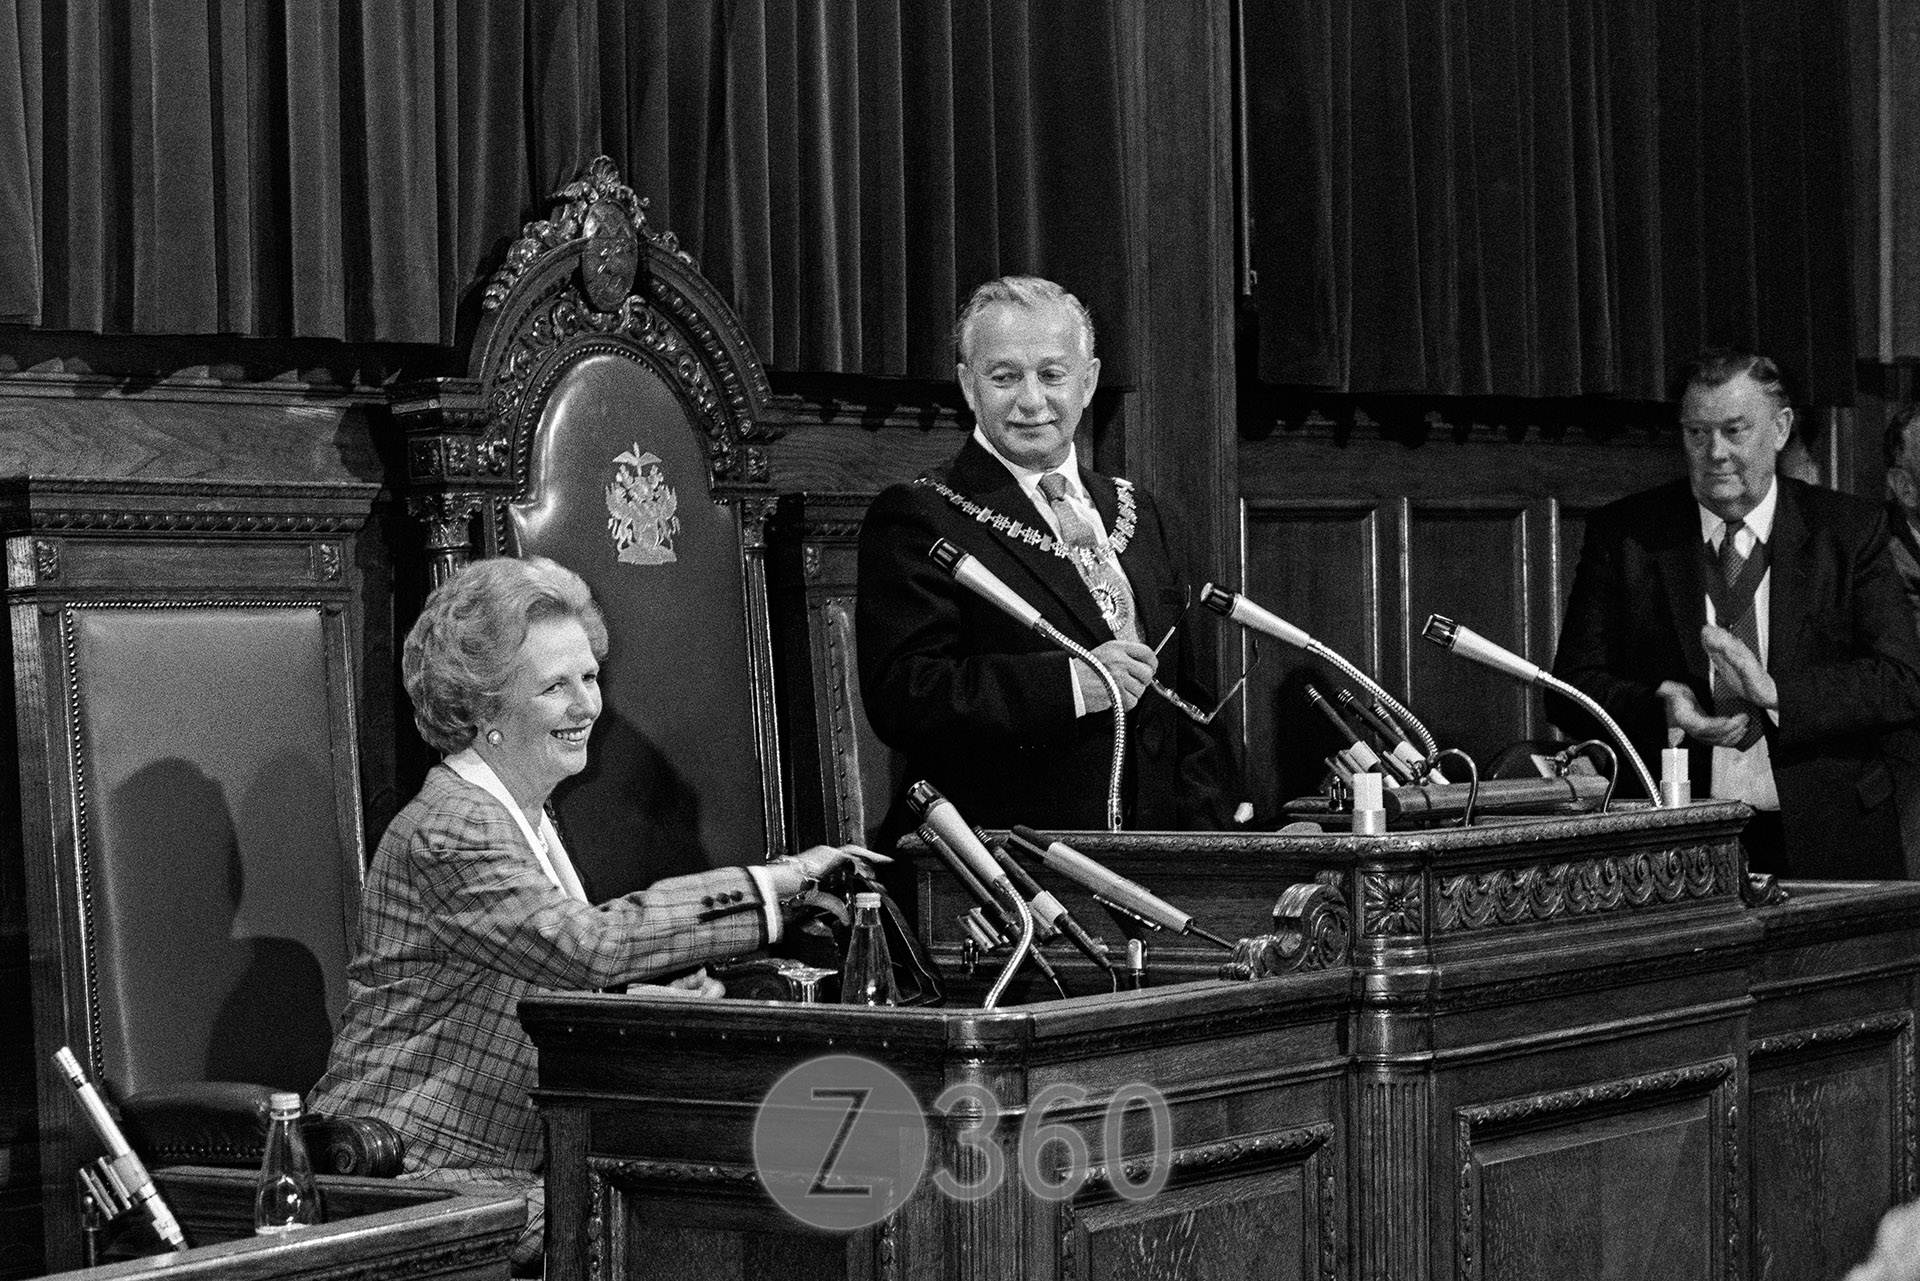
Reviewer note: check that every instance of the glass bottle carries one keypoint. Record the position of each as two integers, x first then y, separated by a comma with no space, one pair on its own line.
285,1196
867,976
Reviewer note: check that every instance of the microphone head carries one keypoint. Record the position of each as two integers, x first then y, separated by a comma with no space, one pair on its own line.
923,796
945,555
1216,600
1441,630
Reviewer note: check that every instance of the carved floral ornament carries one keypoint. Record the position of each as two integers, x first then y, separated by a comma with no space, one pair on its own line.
1392,903
1512,896
1397,903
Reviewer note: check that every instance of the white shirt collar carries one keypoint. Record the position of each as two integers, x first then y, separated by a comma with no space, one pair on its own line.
1759,520
545,843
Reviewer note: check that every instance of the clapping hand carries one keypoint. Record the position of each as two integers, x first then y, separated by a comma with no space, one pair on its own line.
1685,713
1738,669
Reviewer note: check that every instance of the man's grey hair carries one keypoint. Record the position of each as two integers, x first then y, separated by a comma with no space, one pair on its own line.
1031,292
1718,366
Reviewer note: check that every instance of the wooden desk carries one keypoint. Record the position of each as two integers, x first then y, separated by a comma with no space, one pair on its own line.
1558,1048
376,1228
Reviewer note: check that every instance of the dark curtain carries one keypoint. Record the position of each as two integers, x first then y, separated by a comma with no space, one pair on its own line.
1547,197
845,169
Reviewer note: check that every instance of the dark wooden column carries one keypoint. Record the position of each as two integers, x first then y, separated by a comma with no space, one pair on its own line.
1178,426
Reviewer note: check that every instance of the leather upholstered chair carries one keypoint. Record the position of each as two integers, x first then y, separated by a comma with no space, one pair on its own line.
190,808
611,419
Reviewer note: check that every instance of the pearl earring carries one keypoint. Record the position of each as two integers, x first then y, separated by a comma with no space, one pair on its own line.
495,737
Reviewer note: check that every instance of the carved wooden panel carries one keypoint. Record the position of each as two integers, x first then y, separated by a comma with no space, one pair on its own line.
1628,1179
1242,1228
1829,1105
726,1233
1315,564
1458,558
1483,528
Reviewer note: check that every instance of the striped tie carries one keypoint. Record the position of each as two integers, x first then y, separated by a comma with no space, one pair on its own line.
1102,577
1739,616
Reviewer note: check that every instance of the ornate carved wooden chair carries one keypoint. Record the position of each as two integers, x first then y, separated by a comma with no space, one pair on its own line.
838,759
190,806
610,418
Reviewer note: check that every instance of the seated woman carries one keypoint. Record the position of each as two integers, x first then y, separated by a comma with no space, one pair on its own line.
471,900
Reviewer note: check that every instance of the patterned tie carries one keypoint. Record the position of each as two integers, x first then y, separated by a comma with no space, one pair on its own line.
1102,576
1739,615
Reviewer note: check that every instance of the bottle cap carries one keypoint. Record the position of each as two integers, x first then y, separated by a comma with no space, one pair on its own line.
866,898
283,1101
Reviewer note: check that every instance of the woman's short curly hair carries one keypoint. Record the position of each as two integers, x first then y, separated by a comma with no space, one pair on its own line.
460,654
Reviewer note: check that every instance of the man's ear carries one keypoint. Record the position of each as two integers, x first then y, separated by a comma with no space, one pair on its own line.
1783,424
966,387
1093,380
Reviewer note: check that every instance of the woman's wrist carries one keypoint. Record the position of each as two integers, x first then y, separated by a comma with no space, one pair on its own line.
791,877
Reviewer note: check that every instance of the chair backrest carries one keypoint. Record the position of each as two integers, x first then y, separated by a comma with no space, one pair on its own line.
853,775
189,784
610,419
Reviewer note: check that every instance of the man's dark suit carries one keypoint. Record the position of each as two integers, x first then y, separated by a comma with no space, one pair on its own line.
1841,649
981,706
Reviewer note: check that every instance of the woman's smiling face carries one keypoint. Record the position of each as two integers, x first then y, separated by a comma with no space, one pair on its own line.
547,712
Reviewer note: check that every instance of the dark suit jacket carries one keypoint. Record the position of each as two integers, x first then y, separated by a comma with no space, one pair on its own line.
1841,648
981,706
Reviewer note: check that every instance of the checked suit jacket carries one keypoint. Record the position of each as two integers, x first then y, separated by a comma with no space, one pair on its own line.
457,923
981,706
1841,649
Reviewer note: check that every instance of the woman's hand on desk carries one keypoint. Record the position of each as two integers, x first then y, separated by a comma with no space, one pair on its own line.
794,873
698,985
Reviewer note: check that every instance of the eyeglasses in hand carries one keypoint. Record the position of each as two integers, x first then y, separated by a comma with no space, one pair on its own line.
1193,713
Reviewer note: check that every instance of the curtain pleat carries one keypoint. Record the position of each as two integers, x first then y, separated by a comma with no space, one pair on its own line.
20,156
1547,197
845,170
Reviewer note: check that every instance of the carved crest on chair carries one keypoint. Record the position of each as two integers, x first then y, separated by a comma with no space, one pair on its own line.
597,207
642,509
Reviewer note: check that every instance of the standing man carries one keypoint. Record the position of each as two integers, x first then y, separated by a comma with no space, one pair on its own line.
1009,728
1903,499
1759,621
1902,448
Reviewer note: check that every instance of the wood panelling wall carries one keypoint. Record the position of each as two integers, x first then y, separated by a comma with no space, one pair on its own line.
1358,538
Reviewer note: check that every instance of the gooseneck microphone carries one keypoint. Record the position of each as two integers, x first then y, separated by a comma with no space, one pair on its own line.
1050,909
971,574
1357,752
1393,740
129,1175
1249,615
1111,888
1467,643
938,813
996,923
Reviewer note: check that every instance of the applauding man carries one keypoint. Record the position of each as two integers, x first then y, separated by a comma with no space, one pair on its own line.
1759,621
